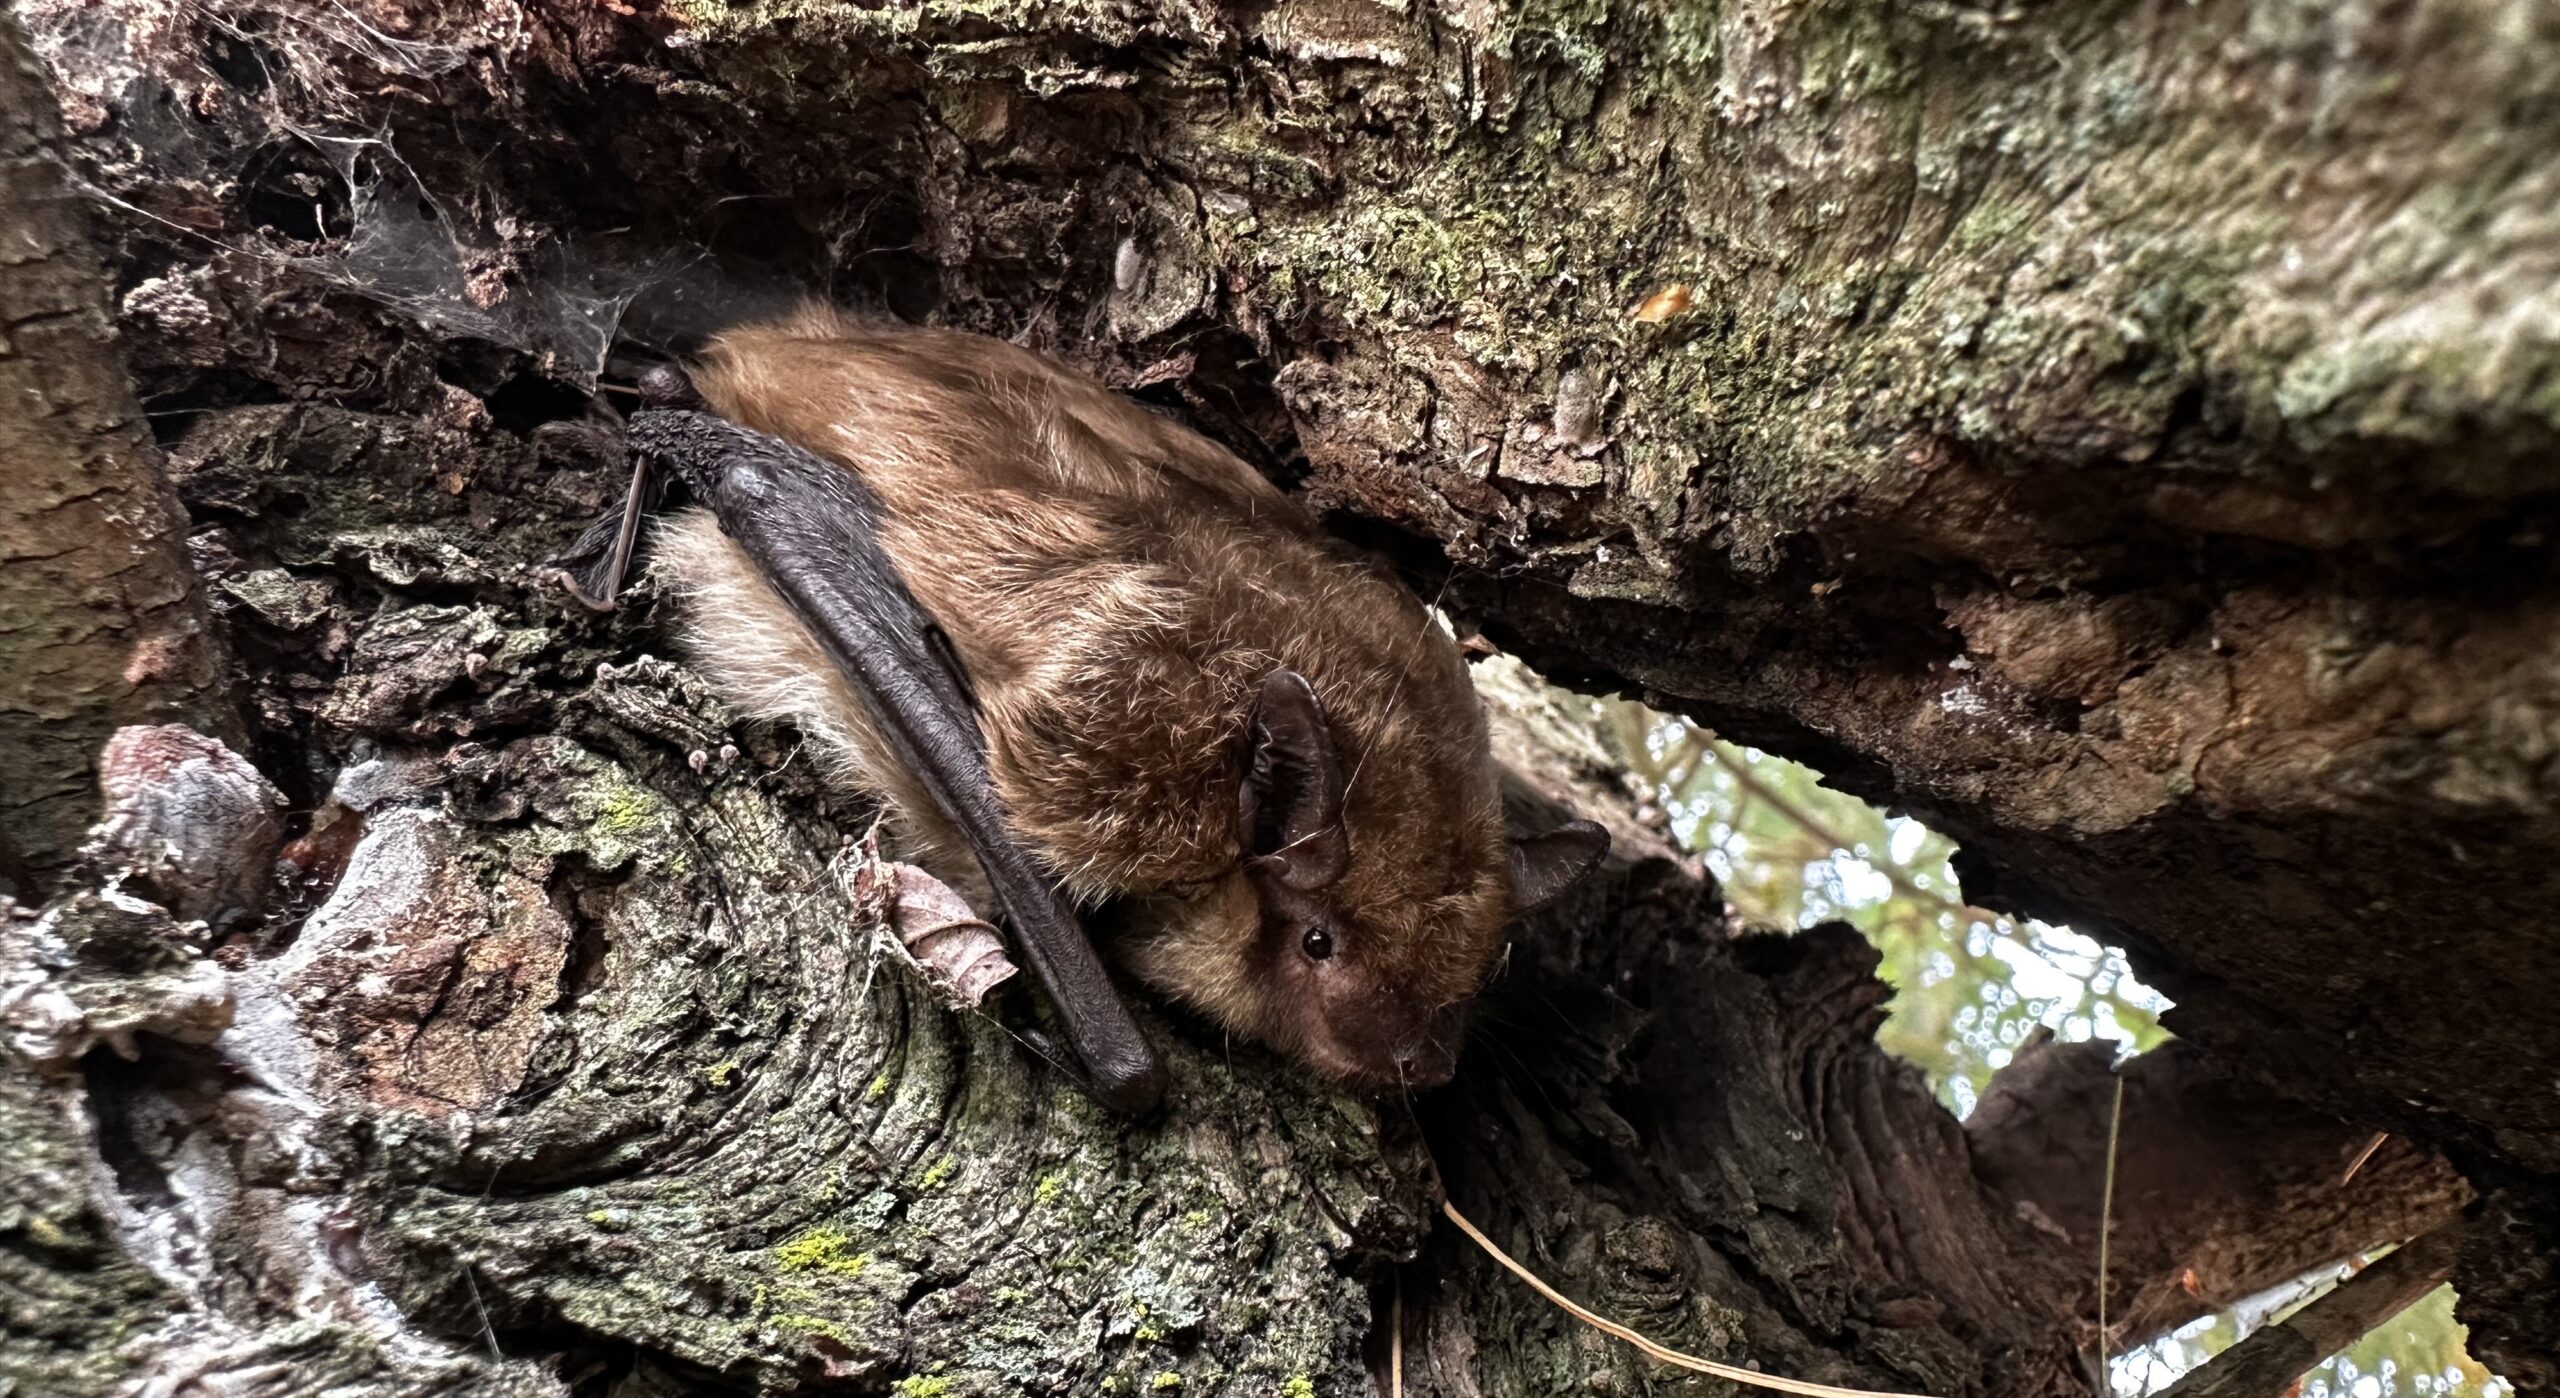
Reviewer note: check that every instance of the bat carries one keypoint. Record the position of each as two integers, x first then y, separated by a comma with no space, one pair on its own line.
1088,654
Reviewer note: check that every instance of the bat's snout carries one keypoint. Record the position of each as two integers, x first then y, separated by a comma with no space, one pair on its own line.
1385,1047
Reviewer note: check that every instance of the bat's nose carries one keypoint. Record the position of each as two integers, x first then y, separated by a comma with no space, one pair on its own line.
667,386
1390,1043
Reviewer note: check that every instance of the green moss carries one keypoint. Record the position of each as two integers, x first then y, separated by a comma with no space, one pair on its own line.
821,1250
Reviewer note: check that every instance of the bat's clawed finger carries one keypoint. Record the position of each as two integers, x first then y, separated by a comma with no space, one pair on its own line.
667,386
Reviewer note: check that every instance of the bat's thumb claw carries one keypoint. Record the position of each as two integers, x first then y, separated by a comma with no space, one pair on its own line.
584,590
667,386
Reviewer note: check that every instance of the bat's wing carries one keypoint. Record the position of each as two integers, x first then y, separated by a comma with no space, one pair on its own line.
810,527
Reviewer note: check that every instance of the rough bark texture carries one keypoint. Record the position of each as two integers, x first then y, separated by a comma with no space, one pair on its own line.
2119,433
101,616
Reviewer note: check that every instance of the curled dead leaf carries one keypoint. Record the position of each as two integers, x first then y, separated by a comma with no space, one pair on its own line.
930,927
960,953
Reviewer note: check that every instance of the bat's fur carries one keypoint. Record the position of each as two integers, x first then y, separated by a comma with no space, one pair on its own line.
1117,587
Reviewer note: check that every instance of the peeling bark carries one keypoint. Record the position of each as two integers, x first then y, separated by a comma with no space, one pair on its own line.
2056,433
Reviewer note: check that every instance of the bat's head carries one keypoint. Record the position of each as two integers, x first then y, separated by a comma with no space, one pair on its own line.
1367,910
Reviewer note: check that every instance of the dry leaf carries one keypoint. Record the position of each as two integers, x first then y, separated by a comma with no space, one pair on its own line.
194,825
960,953
931,928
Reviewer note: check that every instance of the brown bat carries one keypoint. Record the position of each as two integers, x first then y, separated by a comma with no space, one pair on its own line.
1107,659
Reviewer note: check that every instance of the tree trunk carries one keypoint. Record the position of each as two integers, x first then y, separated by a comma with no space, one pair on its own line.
104,622
2117,433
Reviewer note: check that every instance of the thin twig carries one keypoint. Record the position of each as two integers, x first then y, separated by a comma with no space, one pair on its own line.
1395,1340
2362,1156
1661,1352
487,1331
2106,1226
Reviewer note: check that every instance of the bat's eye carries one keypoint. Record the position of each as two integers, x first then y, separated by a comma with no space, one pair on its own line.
1318,944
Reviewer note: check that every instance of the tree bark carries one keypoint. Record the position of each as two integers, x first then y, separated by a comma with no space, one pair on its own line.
2036,418
99,609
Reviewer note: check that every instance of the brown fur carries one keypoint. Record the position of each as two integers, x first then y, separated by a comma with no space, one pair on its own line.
1117,587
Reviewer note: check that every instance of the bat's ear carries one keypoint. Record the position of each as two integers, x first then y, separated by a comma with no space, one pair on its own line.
1544,867
1289,809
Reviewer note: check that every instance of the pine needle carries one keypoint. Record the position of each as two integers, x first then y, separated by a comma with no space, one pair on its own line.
1664,1353
2362,1156
2106,1223
1395,1342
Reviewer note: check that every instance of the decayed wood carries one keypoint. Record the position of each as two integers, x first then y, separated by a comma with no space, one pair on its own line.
2205,1215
